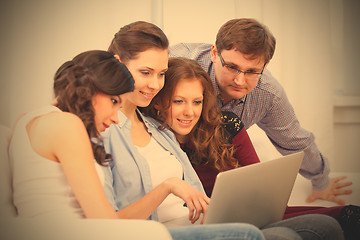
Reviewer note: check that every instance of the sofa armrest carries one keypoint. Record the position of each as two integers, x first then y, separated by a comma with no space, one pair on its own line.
87,229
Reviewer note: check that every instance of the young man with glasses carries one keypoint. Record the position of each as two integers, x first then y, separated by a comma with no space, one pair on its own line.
237,66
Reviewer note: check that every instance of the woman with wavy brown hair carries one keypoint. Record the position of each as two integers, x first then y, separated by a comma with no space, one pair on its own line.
56,152
207,136
217,141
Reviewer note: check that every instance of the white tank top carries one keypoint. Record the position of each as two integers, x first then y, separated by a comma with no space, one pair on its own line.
164,165
40,188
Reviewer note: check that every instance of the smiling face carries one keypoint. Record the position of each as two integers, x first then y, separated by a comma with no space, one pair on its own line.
186,107
235,86
148,70
105,108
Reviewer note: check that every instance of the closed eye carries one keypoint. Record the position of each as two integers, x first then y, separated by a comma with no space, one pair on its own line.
231,67
253,72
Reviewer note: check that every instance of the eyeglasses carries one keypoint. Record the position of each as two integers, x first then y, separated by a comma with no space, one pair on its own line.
248,75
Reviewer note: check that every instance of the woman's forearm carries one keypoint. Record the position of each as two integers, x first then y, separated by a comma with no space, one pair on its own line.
145,206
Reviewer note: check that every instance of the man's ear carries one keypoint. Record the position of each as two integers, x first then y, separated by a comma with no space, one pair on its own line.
213,53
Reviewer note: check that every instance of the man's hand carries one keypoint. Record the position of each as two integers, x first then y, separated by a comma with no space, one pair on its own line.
330,193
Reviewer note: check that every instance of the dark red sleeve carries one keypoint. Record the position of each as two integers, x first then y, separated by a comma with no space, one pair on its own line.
245,152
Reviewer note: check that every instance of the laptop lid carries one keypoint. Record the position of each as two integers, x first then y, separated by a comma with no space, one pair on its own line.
257,194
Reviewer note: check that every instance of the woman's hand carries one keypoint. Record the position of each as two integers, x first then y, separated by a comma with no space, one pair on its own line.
196,201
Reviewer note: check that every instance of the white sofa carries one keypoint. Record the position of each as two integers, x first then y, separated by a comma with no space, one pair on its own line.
13,227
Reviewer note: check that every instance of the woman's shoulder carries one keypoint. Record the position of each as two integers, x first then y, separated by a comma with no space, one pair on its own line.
155,123
54,130
59,120
154,126
55,125
149,121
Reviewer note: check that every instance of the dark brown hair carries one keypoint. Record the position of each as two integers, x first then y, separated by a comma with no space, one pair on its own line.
137,37
207,137
247,36
77,81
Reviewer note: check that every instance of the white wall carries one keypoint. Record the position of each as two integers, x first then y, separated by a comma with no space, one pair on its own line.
317,45
347,134
37,36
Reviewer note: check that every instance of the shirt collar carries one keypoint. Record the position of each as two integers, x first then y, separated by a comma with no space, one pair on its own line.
233,102
123,119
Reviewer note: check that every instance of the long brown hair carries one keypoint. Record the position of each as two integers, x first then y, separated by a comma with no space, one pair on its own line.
137,37
77,81
207,137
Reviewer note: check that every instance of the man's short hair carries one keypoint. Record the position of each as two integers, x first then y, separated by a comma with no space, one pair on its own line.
247,36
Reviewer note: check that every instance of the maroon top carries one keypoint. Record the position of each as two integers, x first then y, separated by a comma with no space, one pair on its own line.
244,153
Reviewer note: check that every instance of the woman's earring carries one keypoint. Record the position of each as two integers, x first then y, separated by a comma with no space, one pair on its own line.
158,112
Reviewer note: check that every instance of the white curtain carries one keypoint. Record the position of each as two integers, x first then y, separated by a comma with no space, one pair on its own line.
38,36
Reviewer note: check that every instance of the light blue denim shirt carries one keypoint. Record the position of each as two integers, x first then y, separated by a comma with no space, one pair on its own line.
130,170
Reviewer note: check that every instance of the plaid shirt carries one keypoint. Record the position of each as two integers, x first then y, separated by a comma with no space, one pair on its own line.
268,107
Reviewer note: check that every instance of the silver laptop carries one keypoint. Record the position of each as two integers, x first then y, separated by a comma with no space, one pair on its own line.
256,194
